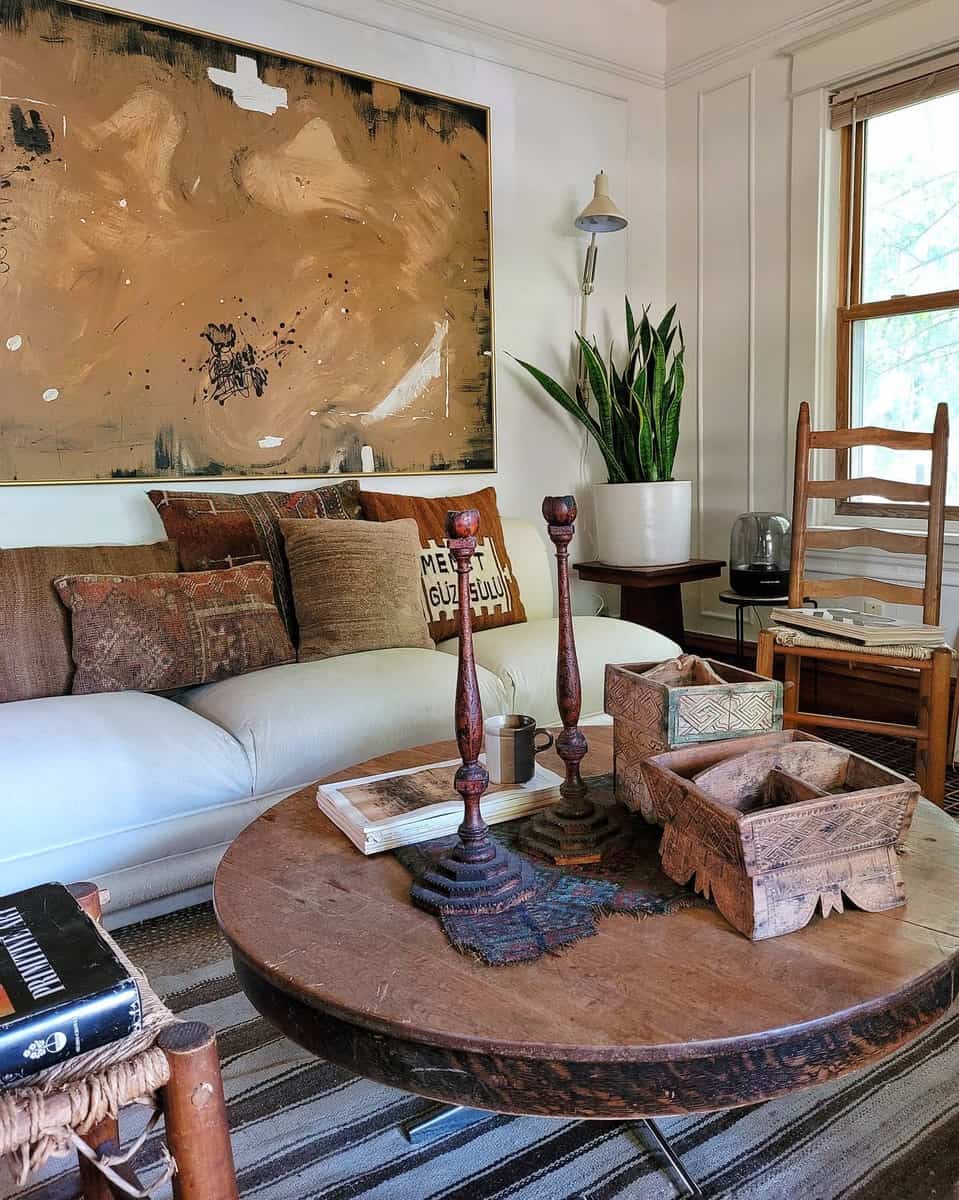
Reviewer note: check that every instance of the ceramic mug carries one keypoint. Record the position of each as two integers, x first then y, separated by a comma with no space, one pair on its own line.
511,748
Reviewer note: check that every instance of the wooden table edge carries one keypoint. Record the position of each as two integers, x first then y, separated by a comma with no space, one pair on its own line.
638,1053
613,1088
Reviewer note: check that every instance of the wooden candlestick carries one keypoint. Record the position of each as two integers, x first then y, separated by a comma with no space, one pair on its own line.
478,875
575,830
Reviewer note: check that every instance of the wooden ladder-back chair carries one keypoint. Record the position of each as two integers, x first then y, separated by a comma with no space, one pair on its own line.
931,731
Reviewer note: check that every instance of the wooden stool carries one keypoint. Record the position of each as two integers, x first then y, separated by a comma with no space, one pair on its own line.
179,1058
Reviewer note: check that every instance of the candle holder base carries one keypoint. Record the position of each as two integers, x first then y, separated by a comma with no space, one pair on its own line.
494,886
572,840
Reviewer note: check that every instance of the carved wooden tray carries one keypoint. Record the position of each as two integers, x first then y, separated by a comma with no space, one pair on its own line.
771,827
681,702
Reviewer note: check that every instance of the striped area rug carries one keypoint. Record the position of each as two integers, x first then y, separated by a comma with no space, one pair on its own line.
306,1130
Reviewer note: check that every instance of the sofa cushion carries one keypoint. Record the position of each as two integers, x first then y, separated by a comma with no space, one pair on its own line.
530,559
154,633
35,627
128,771
524,659
226,529
301,722
356,586
494,588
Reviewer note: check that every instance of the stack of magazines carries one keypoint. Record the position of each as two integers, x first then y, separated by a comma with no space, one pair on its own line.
401,808
865,628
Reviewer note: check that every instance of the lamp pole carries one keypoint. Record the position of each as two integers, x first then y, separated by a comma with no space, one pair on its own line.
599,216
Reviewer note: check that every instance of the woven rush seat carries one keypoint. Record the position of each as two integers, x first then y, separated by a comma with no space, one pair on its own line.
799,637
43,1118
169,1065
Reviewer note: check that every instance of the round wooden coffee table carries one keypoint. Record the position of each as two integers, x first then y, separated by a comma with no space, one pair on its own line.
669,1015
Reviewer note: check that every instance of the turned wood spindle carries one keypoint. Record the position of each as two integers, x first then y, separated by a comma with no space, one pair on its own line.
472,778
575,830
478,875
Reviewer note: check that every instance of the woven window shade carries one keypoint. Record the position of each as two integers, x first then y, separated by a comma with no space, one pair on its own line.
896,89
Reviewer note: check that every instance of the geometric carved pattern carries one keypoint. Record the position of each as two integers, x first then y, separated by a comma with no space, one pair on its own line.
702,713
832,827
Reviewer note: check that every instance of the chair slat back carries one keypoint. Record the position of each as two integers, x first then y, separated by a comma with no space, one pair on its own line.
930,502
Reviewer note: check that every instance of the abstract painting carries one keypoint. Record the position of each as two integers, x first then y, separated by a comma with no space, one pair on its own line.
218,261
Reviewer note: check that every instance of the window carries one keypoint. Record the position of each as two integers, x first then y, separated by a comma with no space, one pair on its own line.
898,314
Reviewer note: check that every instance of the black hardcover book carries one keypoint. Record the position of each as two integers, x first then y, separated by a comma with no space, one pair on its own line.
63,991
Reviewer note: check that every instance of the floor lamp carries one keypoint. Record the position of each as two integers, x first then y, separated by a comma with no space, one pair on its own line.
599,216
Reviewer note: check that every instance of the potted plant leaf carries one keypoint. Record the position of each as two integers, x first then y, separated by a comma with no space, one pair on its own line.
632,413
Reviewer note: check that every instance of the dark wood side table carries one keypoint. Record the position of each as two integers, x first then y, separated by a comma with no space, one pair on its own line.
653,596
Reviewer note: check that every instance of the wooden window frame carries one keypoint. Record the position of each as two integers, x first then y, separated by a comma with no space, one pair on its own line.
851,309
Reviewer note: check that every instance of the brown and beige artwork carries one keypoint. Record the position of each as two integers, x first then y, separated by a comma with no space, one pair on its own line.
216,261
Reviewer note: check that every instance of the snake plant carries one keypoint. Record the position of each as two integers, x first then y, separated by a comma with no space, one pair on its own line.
637,407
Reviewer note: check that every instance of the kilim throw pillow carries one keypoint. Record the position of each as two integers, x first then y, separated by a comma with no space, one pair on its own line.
213,530
35,627
153,633
356,586
495,592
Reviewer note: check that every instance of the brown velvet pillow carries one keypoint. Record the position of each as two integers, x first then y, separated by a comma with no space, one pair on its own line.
35,627
153,633
355,586
222,529
495,591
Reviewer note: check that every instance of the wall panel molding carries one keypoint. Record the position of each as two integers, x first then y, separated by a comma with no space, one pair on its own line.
460,23
830,18
726,302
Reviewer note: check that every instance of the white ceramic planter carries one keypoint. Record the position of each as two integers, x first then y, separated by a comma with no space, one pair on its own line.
643,524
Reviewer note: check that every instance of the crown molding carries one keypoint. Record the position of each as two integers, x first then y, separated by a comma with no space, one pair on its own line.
836,16
459,24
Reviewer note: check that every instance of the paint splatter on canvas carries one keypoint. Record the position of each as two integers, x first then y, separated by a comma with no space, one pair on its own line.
217,261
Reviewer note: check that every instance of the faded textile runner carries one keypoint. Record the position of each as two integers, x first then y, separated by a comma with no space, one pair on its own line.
568,901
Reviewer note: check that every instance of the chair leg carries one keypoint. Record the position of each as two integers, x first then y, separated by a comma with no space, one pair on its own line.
197,1132
953,726
793,670
934,690
765,653
93,1184
87,895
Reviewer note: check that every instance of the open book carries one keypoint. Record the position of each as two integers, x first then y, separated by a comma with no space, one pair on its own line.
401,808
865,628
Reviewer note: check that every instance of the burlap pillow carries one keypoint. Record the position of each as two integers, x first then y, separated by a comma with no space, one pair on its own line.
155,633
495,591
355,586
213,530
35,656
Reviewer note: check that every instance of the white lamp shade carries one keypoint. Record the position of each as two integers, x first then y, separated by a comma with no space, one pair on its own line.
601,215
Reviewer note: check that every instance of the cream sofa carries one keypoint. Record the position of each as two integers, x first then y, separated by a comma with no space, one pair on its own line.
143,794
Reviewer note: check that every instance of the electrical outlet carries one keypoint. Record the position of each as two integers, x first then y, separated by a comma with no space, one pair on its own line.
873,608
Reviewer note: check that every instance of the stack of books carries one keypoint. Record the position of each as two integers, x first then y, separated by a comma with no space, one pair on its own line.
63,990
402,808
864,628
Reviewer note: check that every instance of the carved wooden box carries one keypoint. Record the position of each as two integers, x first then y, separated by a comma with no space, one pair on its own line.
681,702
771,827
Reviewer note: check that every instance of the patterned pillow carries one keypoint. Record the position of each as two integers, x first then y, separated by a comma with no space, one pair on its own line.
213,530
153,633
495,591
35,627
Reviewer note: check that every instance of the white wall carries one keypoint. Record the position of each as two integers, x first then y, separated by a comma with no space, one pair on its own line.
751,245
557,117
